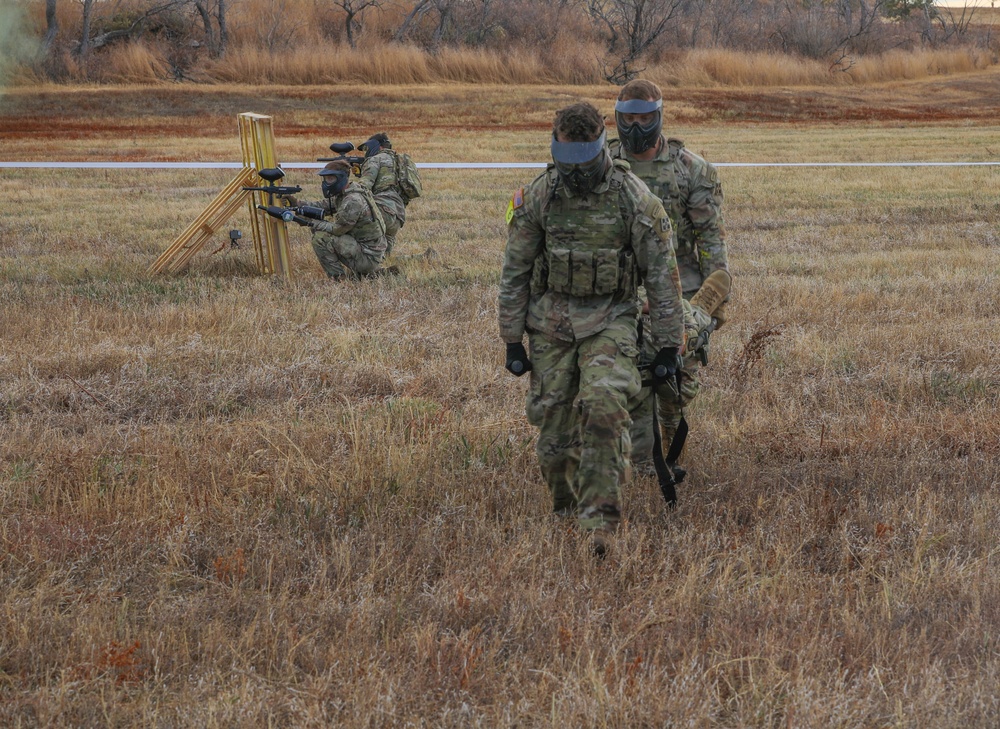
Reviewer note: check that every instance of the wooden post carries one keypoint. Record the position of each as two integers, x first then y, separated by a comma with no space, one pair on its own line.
270,236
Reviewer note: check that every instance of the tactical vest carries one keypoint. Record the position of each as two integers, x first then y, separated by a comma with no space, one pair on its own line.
587,248
664,182
386,178
374,229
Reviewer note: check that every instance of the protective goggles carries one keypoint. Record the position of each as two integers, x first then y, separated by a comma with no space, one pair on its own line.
638,106
576,153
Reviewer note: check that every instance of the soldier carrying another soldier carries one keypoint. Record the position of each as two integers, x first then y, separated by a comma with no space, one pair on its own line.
582,237
692,195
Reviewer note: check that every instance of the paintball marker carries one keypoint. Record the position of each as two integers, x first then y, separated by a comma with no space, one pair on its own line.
341,149
290,215
272,175
700,345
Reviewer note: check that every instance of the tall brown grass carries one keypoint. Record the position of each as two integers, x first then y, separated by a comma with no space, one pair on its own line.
720,67
229,500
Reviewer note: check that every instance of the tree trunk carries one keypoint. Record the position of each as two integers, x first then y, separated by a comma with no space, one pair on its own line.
349,26
51,25
206,22
88,11
223,28
419,9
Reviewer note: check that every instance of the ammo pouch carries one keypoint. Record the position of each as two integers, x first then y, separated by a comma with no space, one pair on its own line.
591,273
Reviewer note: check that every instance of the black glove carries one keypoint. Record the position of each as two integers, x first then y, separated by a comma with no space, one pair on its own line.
517,360
665,365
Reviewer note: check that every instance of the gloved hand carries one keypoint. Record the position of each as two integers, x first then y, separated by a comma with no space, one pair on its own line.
323,226
291,200
665,365
517,359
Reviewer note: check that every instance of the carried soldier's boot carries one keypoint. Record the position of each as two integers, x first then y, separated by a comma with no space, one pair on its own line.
713,291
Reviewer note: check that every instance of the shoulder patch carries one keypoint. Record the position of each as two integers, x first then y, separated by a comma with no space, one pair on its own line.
515,202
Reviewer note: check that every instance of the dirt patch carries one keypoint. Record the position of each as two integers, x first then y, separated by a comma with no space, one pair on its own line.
139,114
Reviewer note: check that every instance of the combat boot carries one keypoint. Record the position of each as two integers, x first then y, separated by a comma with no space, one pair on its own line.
713,291
383,271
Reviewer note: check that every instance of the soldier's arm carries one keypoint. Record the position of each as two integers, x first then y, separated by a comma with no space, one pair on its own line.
652,241
525,239
369,172
324,203
704,208
349,212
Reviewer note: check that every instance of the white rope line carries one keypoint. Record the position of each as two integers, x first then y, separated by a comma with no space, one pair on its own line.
441,165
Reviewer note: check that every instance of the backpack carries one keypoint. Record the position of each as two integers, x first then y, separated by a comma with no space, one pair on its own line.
407,177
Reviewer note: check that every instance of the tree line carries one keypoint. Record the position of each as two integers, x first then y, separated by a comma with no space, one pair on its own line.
630,33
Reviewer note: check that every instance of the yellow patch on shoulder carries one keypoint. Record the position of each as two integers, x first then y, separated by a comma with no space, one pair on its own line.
515,202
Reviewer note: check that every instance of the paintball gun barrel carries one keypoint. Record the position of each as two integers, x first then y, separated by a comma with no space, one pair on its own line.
289,215
341,149
272,175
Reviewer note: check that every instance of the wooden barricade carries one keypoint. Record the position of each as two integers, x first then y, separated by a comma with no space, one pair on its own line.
270,236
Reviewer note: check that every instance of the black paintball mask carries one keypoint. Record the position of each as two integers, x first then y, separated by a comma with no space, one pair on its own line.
581,165
374,145
334,181
635,137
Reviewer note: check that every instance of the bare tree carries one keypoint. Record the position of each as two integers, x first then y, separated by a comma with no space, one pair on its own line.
631,27
90,41
51,26
416,12
210,10
445,11
352,12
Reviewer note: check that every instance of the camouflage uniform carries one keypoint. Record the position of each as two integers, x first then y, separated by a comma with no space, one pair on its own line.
355,238
691,192
571,271
378,174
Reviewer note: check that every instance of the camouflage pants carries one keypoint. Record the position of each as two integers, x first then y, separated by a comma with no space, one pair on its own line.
337,251
668,411
392,226
669,408
578,399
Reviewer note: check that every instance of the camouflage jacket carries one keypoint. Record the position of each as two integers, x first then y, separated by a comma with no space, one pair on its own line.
692,194
573,263
378,174
355,214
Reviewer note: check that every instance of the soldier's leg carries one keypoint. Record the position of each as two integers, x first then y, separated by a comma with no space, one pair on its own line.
669,408
641,432
641,407
325,247
550,408
348,252
392,226
608,380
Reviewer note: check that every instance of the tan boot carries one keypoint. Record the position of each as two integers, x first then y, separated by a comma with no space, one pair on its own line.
713,291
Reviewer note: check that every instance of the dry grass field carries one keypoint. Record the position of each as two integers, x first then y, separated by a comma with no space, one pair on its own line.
232,501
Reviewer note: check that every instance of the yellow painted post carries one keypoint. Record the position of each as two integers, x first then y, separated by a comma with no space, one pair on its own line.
257,137
270,236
